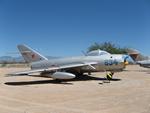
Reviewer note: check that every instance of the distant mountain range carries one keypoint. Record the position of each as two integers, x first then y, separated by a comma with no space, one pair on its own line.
17,59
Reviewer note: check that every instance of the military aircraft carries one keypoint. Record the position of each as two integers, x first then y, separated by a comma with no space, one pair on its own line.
69,68
144,63
135,54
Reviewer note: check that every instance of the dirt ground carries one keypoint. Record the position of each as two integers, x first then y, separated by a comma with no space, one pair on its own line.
129,92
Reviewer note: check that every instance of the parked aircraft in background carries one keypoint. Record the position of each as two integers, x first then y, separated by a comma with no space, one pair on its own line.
143,63
68,68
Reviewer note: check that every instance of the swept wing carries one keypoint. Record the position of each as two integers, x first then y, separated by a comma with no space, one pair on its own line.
77,65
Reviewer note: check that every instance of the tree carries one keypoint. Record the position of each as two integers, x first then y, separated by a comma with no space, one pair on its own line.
109,47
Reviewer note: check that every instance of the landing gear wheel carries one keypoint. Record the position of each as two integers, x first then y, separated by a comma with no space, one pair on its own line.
89,73
109,76
58,80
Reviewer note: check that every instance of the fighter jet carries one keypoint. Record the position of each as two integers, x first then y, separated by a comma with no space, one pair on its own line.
69,68
144,63
135,54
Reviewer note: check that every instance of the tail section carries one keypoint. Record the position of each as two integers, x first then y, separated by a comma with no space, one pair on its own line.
29,54
134,54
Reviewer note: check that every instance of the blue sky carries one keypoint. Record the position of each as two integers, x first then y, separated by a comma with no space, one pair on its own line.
66,27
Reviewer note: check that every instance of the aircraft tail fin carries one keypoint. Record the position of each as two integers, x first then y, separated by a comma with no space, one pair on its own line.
29,54
133,53
134,56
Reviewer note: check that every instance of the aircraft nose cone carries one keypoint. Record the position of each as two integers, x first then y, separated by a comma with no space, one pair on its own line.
125,57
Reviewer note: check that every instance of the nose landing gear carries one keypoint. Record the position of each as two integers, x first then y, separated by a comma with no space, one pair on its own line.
109,77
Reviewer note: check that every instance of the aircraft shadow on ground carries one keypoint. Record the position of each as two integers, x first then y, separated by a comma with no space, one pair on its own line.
65,82
87,78
36,82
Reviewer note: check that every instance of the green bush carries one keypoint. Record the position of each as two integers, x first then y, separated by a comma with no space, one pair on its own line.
109,47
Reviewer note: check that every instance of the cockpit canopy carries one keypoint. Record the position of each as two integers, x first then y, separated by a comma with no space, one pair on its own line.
97,53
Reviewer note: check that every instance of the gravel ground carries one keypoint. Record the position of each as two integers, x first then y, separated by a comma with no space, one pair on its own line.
129,92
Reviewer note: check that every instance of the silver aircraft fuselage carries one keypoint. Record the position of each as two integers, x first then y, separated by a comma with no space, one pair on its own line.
104,63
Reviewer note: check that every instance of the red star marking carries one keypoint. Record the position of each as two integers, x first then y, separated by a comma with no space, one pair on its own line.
33,56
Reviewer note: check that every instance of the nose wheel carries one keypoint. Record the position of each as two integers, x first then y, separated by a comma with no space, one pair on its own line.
109,76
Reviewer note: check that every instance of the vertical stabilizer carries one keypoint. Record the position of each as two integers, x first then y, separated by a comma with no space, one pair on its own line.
29,54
